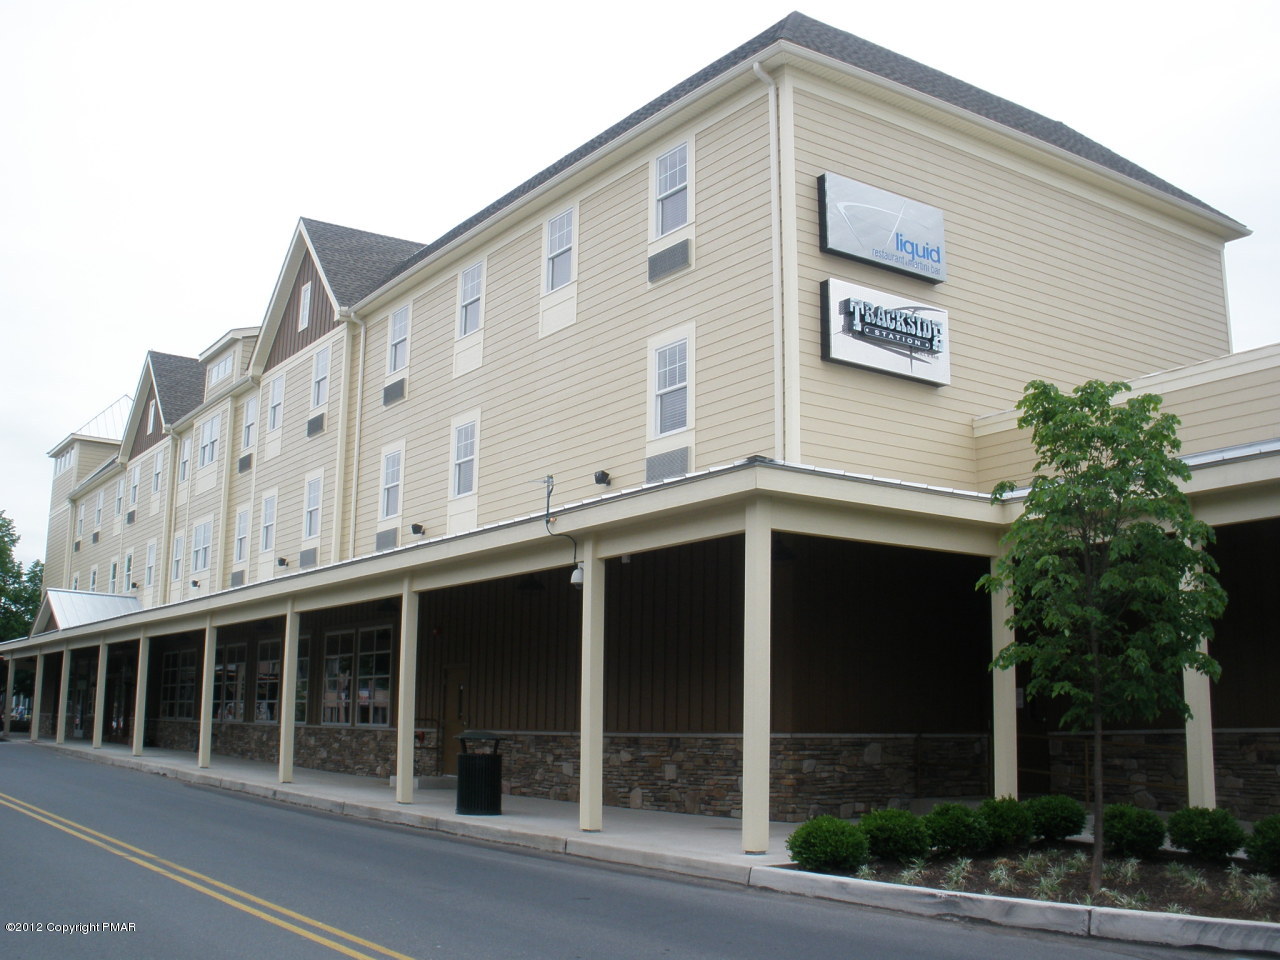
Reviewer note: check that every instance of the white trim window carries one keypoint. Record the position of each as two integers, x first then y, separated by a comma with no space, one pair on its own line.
157,470
113,578
389,503
80,520
304,306
119,496
249,417
97,510
320,377
151,417
201,538
63,463
398,340
311,508
93,579
135,480
128,571
275,404
184,460
175,566
209,431
149,574
268,538
671,387
241,550
671,190
222,369
559,250
470,290
464,459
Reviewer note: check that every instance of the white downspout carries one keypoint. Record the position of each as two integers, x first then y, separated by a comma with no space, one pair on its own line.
779,342
355,440
344,416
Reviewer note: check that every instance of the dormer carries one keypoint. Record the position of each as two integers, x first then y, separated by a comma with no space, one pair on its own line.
225,360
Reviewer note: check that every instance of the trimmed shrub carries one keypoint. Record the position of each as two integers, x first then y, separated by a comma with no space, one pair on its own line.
1129,831
1055,817
1263,847
956,829
1008,821
828,845
895,835
1205,833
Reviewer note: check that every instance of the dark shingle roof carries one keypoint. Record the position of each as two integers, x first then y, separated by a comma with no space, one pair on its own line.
355,261
845,47
179,384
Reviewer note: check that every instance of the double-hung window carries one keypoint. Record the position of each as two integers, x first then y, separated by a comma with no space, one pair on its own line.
112,577
184,460
93,579
201,536
157,470
241,550
320,377
671,386
135,480
472,286
398,340
209,431
149,574
671,188
391,485
275,404
268,522
464,459
179,544
119,496
80,521
128,571
97,510
250,420
311,512
559,250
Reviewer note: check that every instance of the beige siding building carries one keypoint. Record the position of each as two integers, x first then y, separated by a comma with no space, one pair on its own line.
742,368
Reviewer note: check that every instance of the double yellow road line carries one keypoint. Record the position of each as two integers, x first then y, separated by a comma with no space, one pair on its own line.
316,931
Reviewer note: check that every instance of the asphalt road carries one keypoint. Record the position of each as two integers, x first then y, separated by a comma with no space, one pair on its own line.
96,861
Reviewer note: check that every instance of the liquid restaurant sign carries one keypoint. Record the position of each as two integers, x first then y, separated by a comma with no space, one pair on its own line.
866,223
869,328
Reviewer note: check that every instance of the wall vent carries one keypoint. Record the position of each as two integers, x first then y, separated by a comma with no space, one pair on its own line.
246,463
393,392
386,539
315,425
673,463
307,558
131,516
673,258
237,578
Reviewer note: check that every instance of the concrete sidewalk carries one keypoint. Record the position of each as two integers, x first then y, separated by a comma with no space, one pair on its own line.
706,847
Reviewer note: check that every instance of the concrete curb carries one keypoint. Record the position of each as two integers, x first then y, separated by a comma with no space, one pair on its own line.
1107,923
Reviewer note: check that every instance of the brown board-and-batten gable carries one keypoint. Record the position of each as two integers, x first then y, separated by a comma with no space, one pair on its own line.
176,386
294,334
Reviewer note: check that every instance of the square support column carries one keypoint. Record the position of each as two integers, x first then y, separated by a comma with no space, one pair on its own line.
591,739
140,693
288,693
8,696
1004,703
64,690
205,743
756,675
100,695
36,696
1202,789
406,692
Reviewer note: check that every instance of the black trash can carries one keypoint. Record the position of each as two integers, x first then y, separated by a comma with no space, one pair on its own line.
479,774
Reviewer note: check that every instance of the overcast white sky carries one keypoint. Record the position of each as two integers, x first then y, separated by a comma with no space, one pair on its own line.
155,157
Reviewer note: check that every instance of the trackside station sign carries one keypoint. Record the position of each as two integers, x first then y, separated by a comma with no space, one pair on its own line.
875,226
868,328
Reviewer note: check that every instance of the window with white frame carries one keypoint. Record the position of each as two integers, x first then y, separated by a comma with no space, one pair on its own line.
75,581
275,404
268,539
398,340
671,387
209,431
240,552
97,510
320,377
80,521
311,508
135,481
157,470
671,189
113,581
184,460
63,462
249,417
464,459
390,503
559,250
149,574
175,571
201,536
119,496
222,369
93,579
304,306
128,571
151,417
471,287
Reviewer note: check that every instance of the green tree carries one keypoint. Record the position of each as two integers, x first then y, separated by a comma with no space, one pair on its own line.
1112,598
19,589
